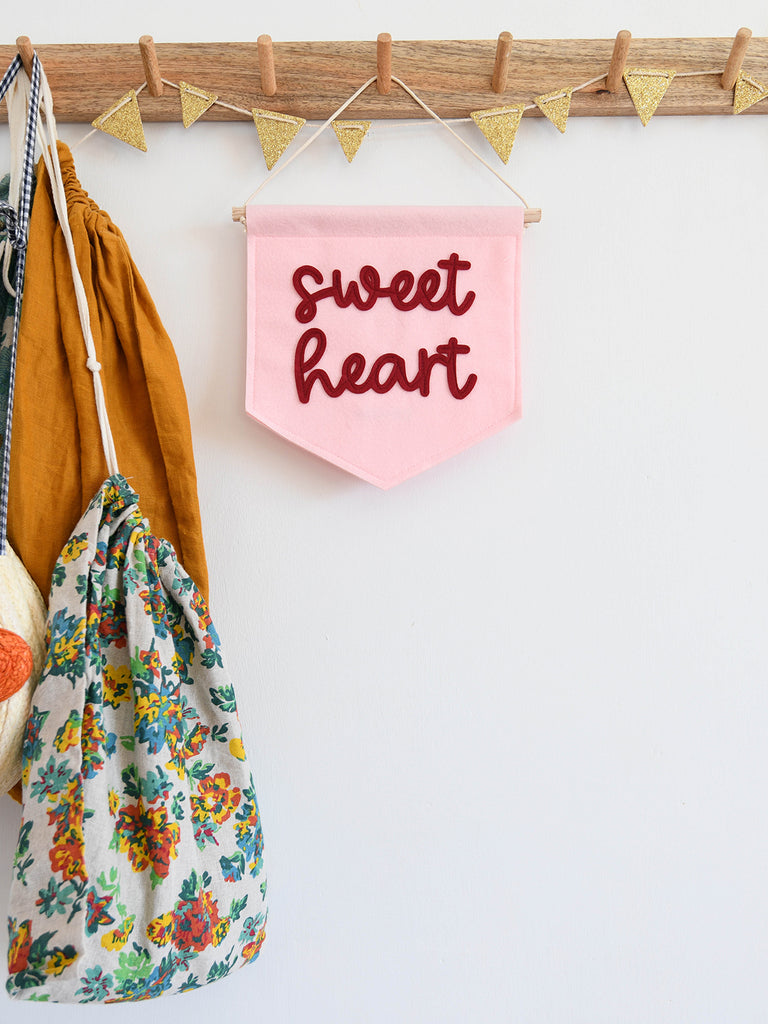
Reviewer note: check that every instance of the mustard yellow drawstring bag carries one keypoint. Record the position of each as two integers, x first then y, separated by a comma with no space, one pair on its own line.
57,463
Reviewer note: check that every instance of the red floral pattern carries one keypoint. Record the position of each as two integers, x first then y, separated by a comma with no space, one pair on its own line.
148,838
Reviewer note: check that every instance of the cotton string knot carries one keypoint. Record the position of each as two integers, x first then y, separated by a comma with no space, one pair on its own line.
93,364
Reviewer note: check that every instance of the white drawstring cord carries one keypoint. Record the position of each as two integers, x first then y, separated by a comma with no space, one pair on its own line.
60,201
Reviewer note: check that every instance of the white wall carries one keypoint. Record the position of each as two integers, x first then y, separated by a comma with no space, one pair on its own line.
507,720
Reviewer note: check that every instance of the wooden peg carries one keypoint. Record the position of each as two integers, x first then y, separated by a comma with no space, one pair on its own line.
618,60
267,65
736,58
27,53
384,63
151,66
501,65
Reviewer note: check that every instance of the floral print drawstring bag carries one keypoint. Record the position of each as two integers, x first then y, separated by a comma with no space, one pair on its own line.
138,869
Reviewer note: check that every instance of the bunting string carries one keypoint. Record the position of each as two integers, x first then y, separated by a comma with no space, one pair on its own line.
498,124
417,123
128,98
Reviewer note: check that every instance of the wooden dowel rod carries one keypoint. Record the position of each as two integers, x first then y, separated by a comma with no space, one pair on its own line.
501,64
618,60
151,66
384,63
267,65
27,53
736,58
532,214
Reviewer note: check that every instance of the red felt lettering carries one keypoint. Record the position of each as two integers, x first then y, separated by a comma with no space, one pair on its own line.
352,369
302,364
306,310
352,296
429,285
451,351
307,373
425,293
370,280
399,287
397,374
453,265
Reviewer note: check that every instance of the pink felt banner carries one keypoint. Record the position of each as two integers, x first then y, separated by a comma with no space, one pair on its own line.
384,339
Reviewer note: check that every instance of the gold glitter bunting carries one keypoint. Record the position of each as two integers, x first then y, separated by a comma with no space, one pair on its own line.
647,87
748,91
556,106
499,125
276,132
194,102
350,135
123,121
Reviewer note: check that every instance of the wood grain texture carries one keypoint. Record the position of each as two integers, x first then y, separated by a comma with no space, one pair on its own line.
736,58
26,52
501,63
618,60
453,77
267,65
151,66
384,64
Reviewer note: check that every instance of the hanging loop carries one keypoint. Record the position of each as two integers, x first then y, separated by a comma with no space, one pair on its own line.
239,212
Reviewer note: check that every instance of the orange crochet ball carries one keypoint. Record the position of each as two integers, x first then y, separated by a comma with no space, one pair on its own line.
15,663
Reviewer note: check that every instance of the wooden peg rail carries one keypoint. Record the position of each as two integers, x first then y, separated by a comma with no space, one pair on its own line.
312,79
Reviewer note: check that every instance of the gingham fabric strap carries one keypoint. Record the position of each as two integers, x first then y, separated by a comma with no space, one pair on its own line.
17,222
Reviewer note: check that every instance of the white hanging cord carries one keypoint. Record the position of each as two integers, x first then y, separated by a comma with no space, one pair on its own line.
344,106
466,145
60,201
311,139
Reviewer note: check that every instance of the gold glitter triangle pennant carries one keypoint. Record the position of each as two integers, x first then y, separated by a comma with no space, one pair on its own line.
194,102
499,125
350,134
748,91
123,121
556,106
647,87
276,132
